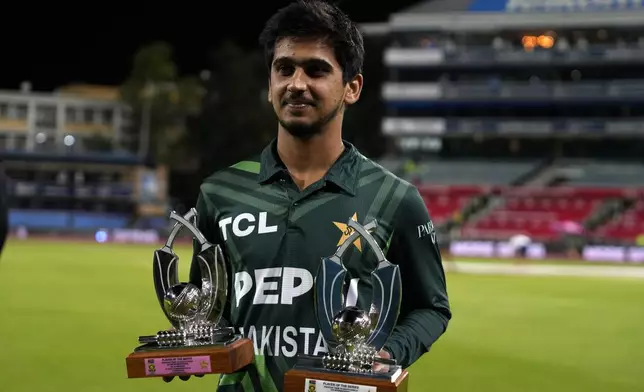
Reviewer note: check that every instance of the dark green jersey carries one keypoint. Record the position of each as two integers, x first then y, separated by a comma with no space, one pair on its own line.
274,237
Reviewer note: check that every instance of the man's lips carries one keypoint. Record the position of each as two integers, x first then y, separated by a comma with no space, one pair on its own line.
298,104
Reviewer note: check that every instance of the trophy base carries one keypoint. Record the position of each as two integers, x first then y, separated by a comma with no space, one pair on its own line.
150,360
309,373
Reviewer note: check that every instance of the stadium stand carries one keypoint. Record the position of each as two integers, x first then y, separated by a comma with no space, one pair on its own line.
587,189
522,118
471,172
543,213
450,187
66,220
626,227
448,202
601,174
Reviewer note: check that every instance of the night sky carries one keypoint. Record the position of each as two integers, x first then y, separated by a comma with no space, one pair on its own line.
91,43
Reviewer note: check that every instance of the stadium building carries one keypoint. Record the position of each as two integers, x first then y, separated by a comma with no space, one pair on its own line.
64,120
70,169
522,117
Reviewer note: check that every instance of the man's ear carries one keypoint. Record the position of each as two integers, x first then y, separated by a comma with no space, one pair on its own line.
270,99
353,90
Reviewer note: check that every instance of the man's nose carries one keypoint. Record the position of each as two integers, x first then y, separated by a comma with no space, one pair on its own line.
298,81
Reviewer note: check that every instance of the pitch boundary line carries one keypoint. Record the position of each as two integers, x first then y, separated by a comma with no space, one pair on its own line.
483,268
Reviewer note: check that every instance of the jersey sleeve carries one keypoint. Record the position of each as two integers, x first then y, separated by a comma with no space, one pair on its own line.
425,310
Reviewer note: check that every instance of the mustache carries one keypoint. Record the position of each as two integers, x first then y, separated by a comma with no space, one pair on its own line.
297,101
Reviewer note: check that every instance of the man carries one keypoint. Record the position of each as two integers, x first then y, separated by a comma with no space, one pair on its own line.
278,214
519,244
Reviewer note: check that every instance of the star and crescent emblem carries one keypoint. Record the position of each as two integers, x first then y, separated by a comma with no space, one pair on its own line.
347,231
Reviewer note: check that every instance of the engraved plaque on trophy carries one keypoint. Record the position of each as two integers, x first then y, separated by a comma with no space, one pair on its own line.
354,336
198,342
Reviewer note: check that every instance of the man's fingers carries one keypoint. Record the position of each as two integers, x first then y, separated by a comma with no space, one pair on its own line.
183,378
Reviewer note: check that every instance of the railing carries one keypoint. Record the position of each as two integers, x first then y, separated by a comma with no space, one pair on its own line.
486,56
434,126
506,90
66,220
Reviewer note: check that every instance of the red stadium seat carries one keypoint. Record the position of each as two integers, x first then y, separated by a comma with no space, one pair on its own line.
542,213
444,202
625,227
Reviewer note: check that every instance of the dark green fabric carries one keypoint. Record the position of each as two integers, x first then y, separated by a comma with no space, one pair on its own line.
274,236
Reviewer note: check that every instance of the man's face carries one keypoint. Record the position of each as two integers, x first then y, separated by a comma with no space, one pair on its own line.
306,87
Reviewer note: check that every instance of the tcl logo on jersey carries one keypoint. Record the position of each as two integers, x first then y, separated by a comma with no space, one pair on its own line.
243,225
273,285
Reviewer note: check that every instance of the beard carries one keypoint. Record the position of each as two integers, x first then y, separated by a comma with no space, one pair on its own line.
308,130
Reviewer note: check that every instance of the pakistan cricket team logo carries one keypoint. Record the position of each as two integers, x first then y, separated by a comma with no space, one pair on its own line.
347,230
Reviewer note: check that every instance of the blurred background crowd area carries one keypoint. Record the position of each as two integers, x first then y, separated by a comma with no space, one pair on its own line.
512,117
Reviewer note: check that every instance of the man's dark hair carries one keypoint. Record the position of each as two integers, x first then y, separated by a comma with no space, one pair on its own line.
317,19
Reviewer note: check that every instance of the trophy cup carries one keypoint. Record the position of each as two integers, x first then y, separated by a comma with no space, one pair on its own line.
198,343
354,336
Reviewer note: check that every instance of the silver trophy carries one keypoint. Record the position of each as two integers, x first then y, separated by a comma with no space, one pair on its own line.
198,343
355,336
194,312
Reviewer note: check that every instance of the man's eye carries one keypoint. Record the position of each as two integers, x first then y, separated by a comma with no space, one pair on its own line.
284,69
315,71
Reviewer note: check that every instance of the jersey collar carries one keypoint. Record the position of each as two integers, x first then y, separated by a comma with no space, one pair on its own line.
343,173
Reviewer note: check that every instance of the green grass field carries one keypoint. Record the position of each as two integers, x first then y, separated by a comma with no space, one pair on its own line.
72,312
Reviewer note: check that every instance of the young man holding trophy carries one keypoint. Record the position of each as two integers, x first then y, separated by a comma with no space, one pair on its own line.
333,268
279,214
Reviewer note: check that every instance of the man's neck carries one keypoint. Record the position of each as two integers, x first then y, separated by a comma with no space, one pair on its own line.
308,160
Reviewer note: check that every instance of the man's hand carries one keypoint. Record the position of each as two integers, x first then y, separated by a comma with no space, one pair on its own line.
379,367
384,354
182,378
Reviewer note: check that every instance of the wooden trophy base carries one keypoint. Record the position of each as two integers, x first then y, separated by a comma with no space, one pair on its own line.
308,375
200,360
